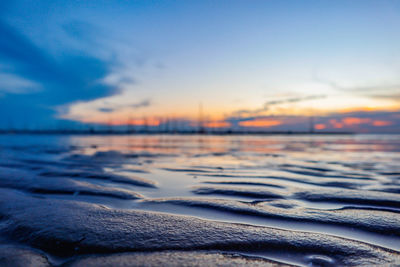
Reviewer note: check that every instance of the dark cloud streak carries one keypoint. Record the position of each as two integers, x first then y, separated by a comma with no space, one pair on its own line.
142,104
267,105
384,91
65,80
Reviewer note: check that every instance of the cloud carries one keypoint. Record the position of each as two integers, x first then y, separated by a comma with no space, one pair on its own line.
362,121
80,30
387,95
144,103
292,100
10,83
64,80
383,91
267,105
106,110
357,121
112,107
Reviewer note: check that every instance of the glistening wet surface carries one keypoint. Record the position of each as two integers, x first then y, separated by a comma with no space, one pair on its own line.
200,200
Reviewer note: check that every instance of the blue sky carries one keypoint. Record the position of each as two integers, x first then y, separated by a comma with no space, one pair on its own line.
102,61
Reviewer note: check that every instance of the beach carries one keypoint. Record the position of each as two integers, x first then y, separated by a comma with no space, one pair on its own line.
132,200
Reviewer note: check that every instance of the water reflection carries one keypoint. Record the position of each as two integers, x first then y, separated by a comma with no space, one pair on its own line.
334,184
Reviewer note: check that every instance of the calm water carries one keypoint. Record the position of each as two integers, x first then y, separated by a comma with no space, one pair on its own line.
344,186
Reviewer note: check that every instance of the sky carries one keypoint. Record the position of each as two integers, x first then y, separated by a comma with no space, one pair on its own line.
231,64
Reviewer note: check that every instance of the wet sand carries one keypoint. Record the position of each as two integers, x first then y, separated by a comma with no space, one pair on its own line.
199,200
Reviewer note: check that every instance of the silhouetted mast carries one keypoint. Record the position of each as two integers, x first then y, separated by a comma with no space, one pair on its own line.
130,125
109,124
167,125
145,126
201,123
311,125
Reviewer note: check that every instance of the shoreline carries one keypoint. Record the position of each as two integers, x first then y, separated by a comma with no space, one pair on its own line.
72,132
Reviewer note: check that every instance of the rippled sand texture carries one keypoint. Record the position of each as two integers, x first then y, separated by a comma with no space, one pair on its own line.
199,200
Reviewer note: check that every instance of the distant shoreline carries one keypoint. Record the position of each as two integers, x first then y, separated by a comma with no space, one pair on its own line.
107,132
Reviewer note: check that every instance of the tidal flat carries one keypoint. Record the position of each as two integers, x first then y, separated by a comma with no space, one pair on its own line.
199,200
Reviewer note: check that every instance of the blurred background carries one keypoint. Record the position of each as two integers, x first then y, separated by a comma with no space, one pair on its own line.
184,66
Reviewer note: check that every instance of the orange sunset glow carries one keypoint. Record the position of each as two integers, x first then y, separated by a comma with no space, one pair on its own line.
216,124
320,126
260,123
